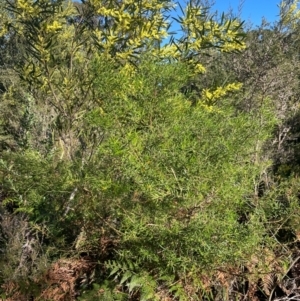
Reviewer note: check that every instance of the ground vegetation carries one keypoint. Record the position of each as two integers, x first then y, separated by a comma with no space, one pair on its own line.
141,164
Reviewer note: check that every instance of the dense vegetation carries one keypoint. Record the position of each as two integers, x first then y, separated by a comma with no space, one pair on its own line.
139,164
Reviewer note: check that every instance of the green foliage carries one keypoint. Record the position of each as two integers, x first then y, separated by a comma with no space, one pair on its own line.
104,292
134,281
123,152
183,180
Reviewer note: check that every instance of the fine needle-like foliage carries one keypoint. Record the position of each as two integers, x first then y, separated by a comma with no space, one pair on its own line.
128,170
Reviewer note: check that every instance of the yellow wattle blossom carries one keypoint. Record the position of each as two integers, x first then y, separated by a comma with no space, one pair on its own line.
128,70
229,47
54,26
234,86
202,32
210,97
133,22
3,31
26,6
168,51
208,108
290,14
108,12
199,68
4,23
124,55
133,25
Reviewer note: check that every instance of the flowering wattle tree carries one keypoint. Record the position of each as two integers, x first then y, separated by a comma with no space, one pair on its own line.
113,159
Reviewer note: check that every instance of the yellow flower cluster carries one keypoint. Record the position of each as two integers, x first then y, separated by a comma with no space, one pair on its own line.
290,14
135,21
201,32
199,68
3,24
168,51
208,108
133,25
128,70
54,26
26,6
210,97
